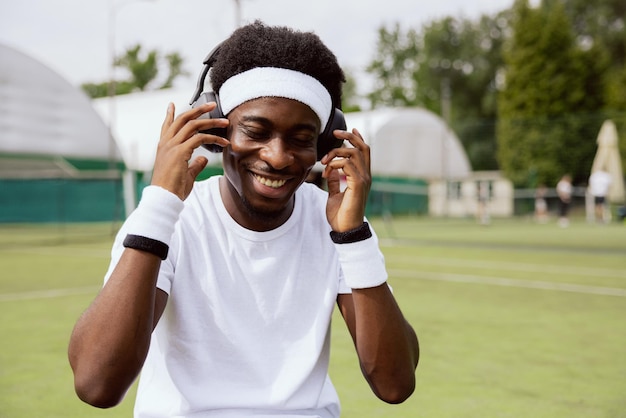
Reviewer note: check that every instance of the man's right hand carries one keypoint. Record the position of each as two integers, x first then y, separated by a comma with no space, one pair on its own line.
180,136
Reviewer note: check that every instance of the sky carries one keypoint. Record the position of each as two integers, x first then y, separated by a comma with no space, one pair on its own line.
73,37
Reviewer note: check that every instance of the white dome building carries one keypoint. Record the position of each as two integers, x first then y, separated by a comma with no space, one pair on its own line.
41,114
420,166
56,154
411,142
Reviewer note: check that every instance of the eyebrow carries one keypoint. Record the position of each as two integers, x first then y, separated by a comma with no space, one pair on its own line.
267,122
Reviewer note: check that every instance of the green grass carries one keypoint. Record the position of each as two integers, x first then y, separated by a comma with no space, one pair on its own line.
514,319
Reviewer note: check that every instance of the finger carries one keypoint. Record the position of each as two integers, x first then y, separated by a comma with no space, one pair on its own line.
198,127
192,114
355,139
169,117
205,139
348,157
197,165
354,172
333,181
195,112
344,164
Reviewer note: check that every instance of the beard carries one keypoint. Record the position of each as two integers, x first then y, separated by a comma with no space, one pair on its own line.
263,216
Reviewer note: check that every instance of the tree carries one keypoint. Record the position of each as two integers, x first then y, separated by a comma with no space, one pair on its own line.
393,67
546,120
175,66
458,78
143,71
564,73
601,25
449,67
350,98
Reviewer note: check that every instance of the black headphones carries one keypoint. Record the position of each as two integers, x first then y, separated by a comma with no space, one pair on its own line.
325,142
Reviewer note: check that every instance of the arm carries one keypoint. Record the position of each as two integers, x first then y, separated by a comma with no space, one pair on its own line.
110,341
386,344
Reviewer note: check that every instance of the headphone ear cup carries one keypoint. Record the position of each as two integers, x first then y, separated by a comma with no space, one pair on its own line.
216,113
327,141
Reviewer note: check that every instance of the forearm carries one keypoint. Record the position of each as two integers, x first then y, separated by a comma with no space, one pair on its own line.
110,341
385,342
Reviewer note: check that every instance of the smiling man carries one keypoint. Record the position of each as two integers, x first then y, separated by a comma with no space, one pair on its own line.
221,292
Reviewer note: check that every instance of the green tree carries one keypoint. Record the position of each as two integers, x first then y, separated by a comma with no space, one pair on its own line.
143,71
458,77
601,24
449,67
350,97
175,67
546,123
565,72
393,67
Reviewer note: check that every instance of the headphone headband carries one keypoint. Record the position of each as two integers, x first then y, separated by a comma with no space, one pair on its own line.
208,63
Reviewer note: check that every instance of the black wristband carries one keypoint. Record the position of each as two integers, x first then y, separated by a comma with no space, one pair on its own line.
357,234
149,245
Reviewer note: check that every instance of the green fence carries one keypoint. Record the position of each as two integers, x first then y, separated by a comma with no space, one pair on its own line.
60,200
397,196
98,200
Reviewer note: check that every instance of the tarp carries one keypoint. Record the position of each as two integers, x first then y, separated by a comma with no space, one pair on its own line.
41,113
607,158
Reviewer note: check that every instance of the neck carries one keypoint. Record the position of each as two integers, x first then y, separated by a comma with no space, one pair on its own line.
249,217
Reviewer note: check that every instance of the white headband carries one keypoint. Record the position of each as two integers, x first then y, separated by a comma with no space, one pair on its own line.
276,82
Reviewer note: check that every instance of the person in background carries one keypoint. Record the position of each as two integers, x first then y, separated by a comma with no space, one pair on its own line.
564,192
221,292
599,184
541,204
483,195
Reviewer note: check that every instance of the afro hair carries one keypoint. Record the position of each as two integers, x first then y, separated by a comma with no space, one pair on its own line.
259,45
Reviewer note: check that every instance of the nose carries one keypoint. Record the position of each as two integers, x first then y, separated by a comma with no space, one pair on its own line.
277,154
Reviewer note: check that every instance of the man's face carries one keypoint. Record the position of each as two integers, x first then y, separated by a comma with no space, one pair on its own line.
273,146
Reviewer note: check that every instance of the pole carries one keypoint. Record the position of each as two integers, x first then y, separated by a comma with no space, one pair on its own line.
445,113
129,187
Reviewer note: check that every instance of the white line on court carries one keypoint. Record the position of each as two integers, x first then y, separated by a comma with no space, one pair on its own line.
506,282
503,265
47,294
63,251
422,275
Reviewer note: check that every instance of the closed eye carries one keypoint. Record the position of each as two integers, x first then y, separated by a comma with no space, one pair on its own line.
303,140
255,133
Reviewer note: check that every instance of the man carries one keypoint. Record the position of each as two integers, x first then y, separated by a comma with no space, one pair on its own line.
599,184
225,288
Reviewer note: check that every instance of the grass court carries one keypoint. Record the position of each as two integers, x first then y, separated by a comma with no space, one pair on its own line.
515,319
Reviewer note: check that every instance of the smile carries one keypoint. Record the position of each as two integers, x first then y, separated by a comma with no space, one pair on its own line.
274,184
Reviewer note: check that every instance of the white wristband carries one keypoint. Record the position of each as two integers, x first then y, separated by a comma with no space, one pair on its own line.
362,263
156,215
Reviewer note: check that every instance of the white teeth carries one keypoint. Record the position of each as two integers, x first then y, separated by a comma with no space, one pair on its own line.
275,184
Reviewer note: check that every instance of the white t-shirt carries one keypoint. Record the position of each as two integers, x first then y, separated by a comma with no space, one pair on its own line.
564,189
599,183
246,329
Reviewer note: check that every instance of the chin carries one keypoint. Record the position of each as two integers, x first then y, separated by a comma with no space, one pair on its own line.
263,213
